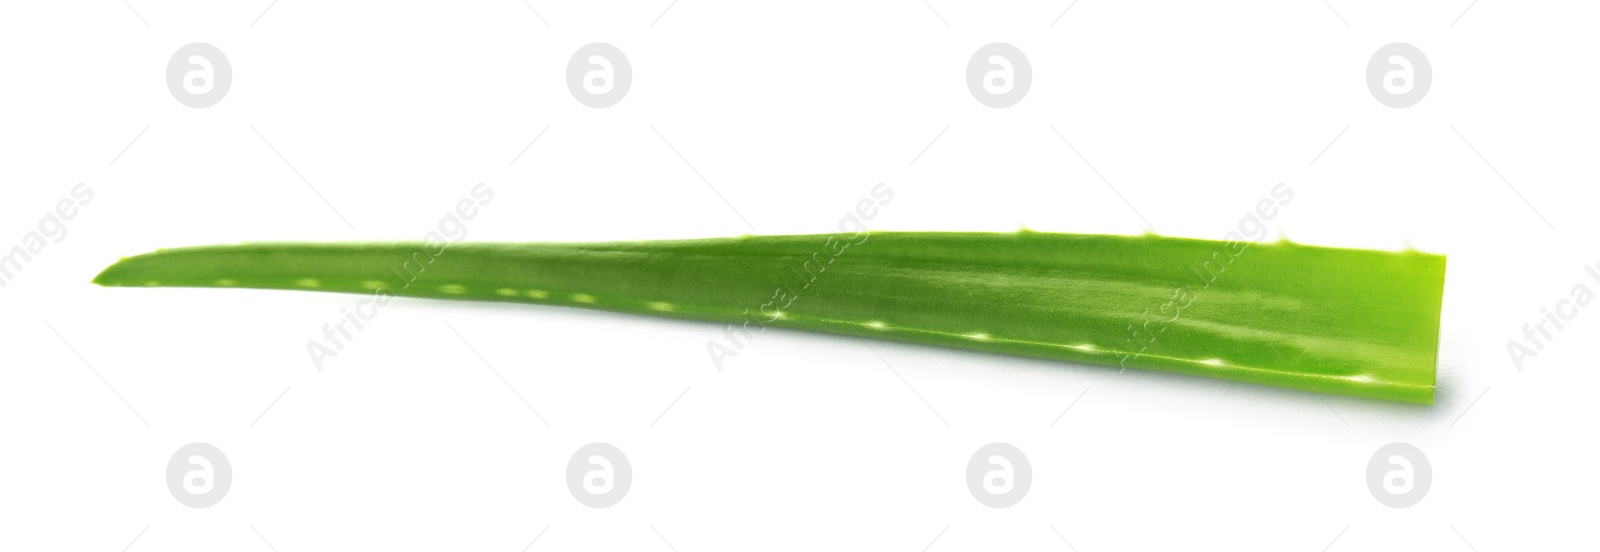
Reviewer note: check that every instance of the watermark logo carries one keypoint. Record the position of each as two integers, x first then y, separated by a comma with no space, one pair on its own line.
999,475
1399,75
599,75
1399,475
199,75
999,75
599,475
199,475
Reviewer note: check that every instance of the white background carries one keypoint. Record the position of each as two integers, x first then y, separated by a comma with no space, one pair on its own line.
408,441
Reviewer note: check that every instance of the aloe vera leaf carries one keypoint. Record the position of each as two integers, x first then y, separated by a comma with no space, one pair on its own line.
1330,320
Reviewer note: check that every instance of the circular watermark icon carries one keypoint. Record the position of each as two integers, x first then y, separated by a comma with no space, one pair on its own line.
599,75
199,475
999,475
198,75
1399,75
999,75
599,475
1399,475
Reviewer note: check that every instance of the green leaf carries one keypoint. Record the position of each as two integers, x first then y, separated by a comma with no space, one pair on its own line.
1330,320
